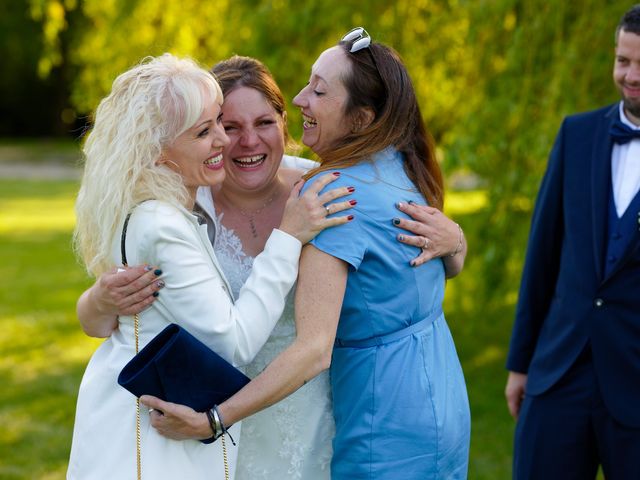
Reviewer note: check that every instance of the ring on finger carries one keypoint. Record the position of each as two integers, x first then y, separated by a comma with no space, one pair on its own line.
327,209
425,243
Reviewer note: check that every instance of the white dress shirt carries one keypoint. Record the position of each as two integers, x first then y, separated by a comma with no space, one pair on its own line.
625,169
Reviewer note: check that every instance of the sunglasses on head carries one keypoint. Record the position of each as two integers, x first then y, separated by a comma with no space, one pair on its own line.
360,38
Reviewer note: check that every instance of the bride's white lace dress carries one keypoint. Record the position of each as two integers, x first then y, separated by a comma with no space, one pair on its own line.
291,439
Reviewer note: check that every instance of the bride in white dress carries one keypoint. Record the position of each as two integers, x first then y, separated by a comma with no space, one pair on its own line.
291,439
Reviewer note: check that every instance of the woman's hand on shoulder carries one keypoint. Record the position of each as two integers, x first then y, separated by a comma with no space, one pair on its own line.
307,215
127,290
123,291
434,233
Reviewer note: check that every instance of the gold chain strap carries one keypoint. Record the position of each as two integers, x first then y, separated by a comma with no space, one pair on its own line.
224,458
138,462
136,323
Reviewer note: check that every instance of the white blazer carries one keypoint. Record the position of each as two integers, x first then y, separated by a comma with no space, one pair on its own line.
196,296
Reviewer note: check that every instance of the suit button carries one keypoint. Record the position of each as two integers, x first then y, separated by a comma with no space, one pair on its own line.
598,302
612,258
616,236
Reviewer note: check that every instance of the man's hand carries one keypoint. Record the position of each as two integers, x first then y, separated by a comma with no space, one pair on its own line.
514,392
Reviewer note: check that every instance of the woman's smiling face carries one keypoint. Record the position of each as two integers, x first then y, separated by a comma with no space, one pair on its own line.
256,134
323,100
197,152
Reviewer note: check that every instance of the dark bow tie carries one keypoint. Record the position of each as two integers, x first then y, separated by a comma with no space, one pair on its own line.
621,133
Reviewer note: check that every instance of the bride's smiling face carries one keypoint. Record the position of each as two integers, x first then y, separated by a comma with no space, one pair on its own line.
256,133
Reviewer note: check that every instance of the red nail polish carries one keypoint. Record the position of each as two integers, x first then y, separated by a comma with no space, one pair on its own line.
350,217
337,174
351,189
353,202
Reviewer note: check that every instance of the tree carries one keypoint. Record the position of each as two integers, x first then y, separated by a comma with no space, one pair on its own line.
539,62
493,77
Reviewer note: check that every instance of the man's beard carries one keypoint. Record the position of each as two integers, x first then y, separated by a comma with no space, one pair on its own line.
632,107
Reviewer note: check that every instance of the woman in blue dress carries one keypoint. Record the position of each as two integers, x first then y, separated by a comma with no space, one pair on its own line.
362,308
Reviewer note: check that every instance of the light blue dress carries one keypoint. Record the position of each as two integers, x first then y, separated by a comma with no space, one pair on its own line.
399,396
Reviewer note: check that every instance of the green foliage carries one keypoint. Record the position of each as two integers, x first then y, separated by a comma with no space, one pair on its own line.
539,62
286,35
494,79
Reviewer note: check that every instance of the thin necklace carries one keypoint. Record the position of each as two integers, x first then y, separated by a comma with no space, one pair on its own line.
250,215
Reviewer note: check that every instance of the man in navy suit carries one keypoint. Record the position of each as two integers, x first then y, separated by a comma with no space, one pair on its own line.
574,359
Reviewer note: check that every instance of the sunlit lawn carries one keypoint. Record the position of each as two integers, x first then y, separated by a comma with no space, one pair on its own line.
44,351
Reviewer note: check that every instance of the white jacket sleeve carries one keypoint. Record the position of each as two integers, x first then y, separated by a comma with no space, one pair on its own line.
196,295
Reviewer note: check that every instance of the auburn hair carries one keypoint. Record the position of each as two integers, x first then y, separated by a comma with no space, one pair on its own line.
378,80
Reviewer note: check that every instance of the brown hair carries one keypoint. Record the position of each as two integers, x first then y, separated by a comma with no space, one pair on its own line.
379,80
238,71
630,22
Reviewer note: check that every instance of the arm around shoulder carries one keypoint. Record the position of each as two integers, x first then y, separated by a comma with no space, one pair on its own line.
124,291
318,303
454,262
94,322
197,294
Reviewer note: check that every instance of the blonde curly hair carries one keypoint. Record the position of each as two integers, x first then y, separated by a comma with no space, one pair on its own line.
149,106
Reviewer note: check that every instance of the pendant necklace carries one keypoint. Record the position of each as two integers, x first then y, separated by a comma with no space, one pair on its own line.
250,215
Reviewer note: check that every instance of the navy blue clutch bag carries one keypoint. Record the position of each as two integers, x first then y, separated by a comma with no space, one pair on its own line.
177,367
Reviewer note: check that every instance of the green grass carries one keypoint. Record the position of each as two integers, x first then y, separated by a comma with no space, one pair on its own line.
481,332
44,351
36,151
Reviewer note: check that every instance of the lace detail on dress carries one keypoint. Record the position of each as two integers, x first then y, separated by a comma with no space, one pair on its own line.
234,262
291,439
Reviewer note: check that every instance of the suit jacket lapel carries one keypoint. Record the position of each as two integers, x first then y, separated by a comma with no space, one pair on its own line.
600,184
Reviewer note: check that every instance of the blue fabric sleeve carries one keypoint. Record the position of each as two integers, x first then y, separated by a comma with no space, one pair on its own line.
347,242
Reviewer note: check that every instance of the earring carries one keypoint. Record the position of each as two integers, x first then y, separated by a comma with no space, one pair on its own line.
177,168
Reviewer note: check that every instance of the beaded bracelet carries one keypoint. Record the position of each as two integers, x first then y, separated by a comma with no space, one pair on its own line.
459,247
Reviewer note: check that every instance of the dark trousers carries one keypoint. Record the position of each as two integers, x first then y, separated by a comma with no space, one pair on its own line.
567,432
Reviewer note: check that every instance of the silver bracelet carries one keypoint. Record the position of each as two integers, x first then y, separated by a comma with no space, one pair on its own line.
216,421
221,427
215,426
459,247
